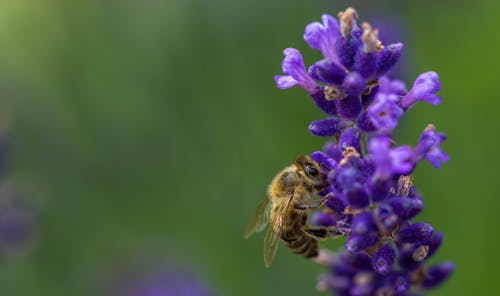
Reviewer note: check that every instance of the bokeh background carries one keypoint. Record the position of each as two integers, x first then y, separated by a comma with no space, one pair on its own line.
142,135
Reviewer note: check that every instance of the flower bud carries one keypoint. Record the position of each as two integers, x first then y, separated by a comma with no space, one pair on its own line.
325,105
327,71
323,219
406,208
326,127
349,108
354,84
350,137
415,233
357,197
388,57
438,274
383,259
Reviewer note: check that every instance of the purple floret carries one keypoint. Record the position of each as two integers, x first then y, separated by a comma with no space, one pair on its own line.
327,71
389,161
326,127
293,66
383,259
323,36
415,233
388,57
429,147
424,89
384,112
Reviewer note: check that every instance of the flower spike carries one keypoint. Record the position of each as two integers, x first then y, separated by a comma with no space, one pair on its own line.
369,197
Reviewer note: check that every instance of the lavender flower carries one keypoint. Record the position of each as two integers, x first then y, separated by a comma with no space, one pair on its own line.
3,152
424,89
293,65
326,127
428,147
155,281
169,282
389,161
384,112
383,259
323,36
16,227
371,199
17,217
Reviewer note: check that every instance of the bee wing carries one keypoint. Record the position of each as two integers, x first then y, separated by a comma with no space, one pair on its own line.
260,218
274,233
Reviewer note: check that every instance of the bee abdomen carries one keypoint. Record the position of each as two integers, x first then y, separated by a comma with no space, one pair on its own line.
303,245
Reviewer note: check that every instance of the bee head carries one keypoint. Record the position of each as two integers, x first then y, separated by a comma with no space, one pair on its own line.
310,171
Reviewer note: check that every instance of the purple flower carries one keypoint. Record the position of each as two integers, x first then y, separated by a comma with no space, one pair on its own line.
365,60
384,112
379,189
363,233
385,217
434,243
327,71
383,259
354,84
293,66
416,232
399,282
363,224
406,208
411,257
365,123
323,36
370,196
388,57
348,178
389,161
350,137
158,282
428,147
17,218
332,149
324,160
438,274
16,227
4,147
349,42
424,89
326,127
323,219
323,104
388,86
357,243
337,204
349,108
357,197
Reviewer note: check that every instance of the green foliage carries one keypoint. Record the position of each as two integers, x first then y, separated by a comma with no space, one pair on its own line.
156,125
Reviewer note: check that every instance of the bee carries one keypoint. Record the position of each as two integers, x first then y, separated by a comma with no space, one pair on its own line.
285,207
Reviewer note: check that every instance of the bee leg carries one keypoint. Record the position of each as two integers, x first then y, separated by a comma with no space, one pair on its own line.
316,233
334,231
322,232
312,205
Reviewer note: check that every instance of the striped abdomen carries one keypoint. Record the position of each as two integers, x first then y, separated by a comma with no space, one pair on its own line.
294,237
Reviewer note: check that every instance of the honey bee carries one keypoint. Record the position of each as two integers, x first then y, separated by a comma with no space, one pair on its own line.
286,206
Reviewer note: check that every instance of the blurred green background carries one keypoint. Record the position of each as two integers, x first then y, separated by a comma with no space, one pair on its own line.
153,127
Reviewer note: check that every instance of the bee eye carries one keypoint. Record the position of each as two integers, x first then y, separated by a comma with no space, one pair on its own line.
311,171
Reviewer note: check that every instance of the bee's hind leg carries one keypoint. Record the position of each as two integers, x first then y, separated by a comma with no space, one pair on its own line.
312,205
322,232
